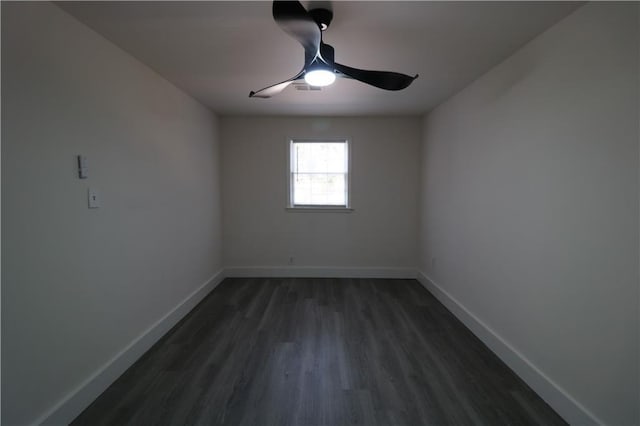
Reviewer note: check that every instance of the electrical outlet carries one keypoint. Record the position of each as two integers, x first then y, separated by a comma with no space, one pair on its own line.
290,260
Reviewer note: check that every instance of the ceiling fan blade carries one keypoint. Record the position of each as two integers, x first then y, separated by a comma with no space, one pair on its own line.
294,19
270,91
382,79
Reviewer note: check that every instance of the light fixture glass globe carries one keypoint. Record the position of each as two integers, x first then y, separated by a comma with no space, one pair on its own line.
319,77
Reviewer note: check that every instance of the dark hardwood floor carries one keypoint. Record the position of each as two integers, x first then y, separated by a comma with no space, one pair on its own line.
309,352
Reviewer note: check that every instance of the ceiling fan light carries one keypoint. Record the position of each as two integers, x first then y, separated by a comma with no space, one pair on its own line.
319,77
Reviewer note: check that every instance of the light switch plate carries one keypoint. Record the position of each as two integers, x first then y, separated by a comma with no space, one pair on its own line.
94,200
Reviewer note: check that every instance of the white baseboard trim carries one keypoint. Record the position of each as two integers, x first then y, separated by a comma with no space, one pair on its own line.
570,409
319,272
80,398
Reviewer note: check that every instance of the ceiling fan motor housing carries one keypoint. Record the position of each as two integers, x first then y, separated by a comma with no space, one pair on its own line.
322,17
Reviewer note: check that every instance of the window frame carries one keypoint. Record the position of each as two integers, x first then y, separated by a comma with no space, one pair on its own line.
319,207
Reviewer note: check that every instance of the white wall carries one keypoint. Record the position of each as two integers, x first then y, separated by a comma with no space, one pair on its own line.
530,206
379,233
79,285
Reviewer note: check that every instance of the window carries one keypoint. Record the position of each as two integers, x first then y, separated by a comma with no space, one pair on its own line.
319,174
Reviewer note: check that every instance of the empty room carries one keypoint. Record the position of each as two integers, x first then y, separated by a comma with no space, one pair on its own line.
320,213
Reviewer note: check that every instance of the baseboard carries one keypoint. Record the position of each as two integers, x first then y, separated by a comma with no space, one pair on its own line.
319,272
80,398
567,407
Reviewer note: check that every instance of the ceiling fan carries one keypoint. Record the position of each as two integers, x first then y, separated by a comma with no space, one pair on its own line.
320,69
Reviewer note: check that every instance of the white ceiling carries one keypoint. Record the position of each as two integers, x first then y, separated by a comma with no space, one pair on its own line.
219,51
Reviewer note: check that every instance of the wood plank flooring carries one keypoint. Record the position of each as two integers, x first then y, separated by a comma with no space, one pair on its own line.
311,352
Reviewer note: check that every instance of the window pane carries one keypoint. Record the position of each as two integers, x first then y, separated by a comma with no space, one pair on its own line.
319,189
319,173
319,157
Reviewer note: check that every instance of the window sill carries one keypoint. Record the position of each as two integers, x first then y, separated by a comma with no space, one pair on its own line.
316,209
